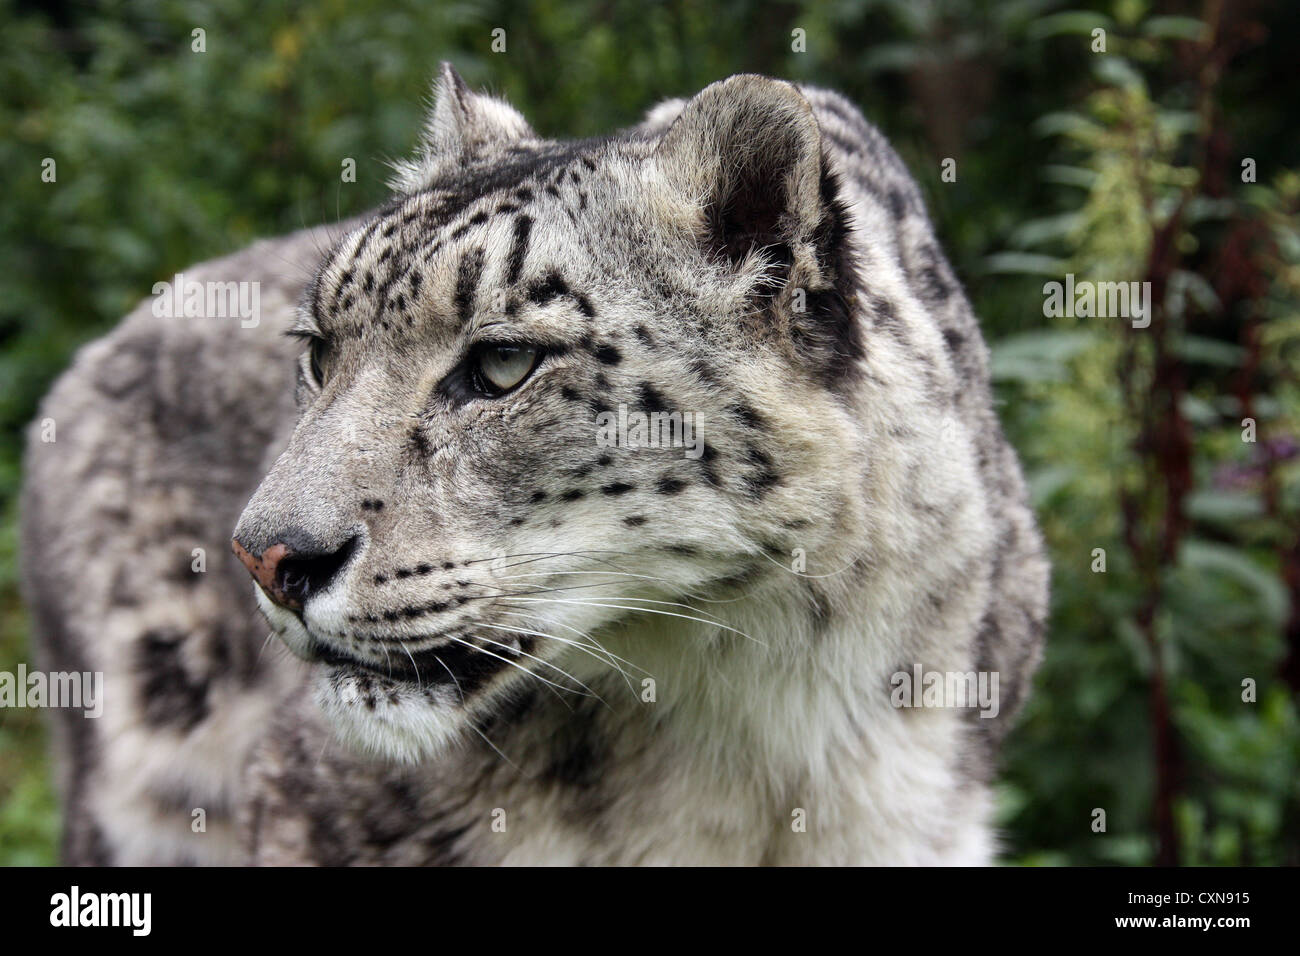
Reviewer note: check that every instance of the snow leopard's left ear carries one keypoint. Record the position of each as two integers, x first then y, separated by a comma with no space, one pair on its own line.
461,125
748,151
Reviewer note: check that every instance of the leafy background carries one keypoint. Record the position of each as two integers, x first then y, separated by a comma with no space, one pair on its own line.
1122,165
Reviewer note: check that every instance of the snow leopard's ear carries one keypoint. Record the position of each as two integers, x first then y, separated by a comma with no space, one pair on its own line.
461,125
748,150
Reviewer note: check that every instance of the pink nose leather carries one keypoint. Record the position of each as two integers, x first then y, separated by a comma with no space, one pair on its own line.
263,567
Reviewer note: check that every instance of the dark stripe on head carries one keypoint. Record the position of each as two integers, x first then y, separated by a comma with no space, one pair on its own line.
467,280
523,226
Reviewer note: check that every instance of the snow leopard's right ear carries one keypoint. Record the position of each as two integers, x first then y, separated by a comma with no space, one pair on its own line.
461,125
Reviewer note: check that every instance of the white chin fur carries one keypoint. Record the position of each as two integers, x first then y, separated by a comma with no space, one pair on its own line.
405,724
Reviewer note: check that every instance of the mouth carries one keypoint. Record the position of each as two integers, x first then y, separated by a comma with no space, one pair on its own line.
417,702
462,662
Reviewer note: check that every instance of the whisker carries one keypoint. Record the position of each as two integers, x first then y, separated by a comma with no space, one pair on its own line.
453,679
539,660
800,574
265,644
582,647
470,721
650,610
418,683
543,556
506,660
627,574
588,647
506,593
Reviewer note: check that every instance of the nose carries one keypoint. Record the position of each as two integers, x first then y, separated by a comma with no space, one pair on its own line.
289,576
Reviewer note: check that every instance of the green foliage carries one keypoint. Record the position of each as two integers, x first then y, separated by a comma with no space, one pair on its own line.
1067,161
1203,607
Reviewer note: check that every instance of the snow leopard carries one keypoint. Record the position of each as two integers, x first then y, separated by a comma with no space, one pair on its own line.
519,612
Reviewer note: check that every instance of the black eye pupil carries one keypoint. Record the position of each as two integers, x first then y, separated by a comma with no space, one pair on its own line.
316,370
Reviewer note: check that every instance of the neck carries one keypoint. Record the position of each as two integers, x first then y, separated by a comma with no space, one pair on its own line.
767,736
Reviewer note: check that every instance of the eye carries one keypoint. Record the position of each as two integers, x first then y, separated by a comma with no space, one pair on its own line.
316,357
499,368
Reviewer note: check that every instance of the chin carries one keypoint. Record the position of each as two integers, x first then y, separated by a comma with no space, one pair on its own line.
388,718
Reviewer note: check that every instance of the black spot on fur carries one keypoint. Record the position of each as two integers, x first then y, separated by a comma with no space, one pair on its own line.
897,204
578,752
932,285
420,442
575,763
651,400
759,481
747,415
708,464
548,288
170,696
742,579
669,486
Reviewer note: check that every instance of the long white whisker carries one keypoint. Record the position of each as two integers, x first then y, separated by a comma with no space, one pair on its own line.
532,619
605,659
418,682
801,574
453,679
607,655
531,657
624,574
470,720
506,660
544,556
540,590
650,610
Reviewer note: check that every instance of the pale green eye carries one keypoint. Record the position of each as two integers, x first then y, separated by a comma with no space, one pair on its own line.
505,366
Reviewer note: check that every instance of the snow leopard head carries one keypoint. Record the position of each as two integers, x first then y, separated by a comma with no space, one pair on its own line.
552,387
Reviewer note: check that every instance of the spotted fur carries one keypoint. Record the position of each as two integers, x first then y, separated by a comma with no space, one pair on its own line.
531,647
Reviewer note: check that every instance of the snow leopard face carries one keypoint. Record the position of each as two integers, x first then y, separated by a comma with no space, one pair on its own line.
550,386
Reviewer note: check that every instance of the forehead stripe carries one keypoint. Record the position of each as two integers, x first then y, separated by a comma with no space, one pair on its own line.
523,227
467,279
